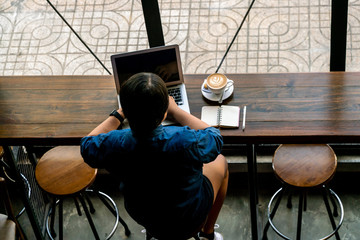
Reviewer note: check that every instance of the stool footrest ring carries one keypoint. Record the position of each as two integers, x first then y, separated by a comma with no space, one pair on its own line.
280,192
114,210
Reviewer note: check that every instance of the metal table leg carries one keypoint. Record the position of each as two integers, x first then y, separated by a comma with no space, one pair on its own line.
253,190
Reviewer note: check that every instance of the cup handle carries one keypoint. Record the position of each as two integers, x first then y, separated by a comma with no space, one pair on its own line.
229,84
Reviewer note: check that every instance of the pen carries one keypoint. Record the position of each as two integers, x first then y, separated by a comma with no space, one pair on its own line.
244,118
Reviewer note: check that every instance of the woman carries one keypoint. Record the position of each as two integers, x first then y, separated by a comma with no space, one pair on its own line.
175,179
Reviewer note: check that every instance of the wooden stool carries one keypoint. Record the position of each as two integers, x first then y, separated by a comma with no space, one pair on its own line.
62,172
302,167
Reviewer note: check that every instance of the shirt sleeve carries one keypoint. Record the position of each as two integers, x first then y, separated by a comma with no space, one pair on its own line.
207,146
95,150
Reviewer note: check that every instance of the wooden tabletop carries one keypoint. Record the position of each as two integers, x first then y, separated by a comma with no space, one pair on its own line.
281,108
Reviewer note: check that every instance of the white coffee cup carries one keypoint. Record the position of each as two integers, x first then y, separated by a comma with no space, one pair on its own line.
217,83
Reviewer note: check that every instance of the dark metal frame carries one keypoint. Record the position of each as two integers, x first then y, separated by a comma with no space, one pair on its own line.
153,22
339,15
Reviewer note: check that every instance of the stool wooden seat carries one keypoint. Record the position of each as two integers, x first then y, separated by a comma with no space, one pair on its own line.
303,167
62,172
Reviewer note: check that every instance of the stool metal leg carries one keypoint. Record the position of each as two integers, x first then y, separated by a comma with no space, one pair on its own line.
300,210
271,214
53,209
111,209
324,191
88,215
289,202
103,197
110,204
77,206
335,212
91,206
61,235
305,200
331,196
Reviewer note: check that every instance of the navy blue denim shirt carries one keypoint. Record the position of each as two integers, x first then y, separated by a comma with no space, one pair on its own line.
163,171
198,145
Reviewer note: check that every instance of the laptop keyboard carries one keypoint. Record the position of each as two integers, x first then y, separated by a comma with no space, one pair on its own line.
176,94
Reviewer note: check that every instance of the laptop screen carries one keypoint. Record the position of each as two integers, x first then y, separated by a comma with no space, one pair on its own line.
163,61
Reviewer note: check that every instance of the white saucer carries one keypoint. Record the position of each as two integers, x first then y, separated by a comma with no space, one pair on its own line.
215,97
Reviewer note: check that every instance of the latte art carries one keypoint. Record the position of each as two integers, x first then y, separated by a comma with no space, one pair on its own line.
216,80
217,83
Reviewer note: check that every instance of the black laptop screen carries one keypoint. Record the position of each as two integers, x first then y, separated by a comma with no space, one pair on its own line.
162,62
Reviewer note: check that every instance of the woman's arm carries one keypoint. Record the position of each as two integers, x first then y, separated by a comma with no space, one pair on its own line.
184,118
111,123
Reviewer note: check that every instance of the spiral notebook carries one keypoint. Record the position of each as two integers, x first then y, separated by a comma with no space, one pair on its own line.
221,116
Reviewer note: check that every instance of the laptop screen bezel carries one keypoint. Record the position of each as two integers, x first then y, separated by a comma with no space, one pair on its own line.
144,51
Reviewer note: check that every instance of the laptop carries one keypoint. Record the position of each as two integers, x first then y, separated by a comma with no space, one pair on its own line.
163,61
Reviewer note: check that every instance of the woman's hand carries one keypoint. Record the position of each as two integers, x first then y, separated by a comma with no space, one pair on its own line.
172,105
120,111
172,108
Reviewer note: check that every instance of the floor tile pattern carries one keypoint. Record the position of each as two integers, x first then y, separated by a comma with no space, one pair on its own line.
278,36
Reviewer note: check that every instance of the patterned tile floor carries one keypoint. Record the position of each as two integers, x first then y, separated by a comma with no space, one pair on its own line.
278,36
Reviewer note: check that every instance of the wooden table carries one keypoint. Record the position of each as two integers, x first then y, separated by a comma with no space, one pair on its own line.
281,108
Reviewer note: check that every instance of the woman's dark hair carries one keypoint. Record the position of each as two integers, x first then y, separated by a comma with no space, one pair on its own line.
144,100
